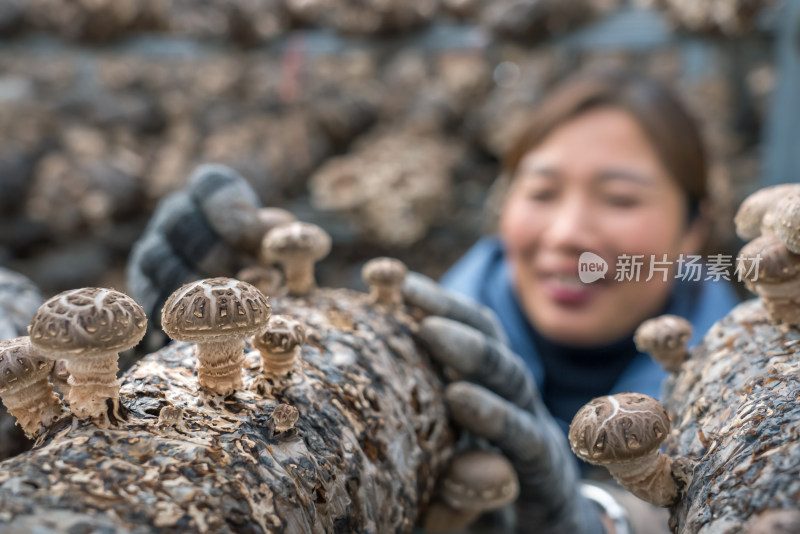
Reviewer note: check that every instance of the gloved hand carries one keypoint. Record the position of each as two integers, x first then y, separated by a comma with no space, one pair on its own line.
497,399
212,227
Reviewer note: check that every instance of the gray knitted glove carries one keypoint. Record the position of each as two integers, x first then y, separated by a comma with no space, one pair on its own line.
497,399
212,227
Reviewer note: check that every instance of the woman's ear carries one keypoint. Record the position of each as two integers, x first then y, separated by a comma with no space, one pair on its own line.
695,239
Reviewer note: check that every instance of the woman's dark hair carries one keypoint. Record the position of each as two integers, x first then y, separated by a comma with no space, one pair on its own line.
664,119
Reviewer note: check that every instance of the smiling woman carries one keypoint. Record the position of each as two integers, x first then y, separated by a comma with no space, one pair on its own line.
612,166
609,173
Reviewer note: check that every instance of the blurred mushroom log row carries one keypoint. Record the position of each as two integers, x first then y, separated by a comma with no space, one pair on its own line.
312,411
309,118
730,415
250,23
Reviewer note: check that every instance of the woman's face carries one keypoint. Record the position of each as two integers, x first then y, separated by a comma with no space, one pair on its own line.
595,184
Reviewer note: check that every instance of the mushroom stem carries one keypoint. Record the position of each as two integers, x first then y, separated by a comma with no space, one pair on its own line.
279,364
34,406
93,380
390,295
299,274
441,517
780,300
220,366
649,478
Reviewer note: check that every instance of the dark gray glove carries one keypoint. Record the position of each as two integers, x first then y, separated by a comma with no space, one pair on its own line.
212,227
497,399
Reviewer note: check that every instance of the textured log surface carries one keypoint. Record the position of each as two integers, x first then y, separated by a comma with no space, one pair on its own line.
736,416
371,438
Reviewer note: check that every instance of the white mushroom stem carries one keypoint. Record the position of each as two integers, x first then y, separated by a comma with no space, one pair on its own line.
279,364
649,478
299,273
34,406
441,517
219,369
388,294
781,300
93,380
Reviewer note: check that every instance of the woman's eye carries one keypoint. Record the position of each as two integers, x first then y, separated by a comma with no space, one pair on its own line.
621,201
541,195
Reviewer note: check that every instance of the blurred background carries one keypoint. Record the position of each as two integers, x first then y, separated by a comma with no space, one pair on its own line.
380,120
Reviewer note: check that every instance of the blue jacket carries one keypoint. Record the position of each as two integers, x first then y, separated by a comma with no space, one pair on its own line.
482,274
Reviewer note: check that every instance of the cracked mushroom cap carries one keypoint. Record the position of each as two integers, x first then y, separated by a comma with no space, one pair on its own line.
296,240
283,334
384,271
87,322
478,481
214,309
21,364
777,264
755,212
618,428
285,416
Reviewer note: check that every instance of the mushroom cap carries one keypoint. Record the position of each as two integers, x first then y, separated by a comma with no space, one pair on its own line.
777,263
753,213
297,240
479,481
666,332
87,322
21,364
618,428
271,217
214,309
786,222
384,271
285,416
282,334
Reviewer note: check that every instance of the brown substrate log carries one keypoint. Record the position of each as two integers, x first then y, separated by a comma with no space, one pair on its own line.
370,440
736,418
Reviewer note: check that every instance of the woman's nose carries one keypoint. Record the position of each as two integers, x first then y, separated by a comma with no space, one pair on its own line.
571,226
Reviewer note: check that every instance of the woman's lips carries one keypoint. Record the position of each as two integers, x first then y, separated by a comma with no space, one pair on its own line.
567,289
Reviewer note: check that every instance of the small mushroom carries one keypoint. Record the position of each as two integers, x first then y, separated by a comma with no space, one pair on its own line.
385,277
776,522
623,433
218,314
476,482
756,213
772,272
88,328
283,418
269,218
666,339
268,280
279,345
24,386
297,246
786,223
171,417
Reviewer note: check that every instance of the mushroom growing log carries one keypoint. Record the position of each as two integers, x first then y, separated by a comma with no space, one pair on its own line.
736,420
370,437
735,417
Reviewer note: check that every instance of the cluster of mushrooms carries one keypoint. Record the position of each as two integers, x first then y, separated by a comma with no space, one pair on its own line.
623,432
75,338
